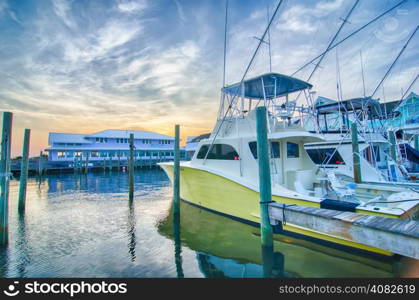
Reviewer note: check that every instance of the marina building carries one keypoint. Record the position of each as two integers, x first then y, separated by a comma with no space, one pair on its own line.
109,145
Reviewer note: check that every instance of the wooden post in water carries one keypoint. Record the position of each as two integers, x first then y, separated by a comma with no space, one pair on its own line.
86,169
40,164
264,177
393,155
131,166
392,140
176,174
5,176
355,153
24,171
417,142
119,160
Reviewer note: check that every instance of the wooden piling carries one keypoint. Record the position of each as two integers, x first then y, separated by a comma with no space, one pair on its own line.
86,169
24,171
355,153
176,173
417,142
264,177
5,176
119,160
40,166
392,140
131,166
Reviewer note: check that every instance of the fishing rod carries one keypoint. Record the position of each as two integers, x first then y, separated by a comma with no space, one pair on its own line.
244,76
348,36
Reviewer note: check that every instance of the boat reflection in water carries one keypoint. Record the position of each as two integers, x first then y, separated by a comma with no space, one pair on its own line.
228,248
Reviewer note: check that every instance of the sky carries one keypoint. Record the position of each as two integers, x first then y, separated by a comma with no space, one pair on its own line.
81,66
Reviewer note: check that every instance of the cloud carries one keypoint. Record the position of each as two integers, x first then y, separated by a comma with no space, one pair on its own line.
303,18
132,7
84,66
62,9
180,11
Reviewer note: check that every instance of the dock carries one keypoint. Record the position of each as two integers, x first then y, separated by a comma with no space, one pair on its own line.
42,165
393,235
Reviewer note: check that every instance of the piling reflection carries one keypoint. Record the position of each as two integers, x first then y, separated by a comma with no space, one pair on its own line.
227,248
131,231
178,245
21,243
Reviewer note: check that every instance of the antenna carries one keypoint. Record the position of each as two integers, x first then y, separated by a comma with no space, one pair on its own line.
225,45
269,41
362,72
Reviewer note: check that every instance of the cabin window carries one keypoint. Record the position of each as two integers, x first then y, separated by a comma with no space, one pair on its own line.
293,150
95,154
325,156
373,155
97,139
78,154
69,154
275,152
60,154
218,151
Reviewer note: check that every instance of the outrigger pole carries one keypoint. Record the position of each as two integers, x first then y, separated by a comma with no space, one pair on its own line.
348,36
394,62
332,41
244,76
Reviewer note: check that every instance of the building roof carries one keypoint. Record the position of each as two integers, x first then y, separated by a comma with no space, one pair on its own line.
116,133
58,137
275,84
412,95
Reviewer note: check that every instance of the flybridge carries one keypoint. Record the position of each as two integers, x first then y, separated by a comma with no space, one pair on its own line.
266,86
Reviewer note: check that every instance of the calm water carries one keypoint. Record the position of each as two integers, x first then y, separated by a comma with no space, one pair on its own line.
83,226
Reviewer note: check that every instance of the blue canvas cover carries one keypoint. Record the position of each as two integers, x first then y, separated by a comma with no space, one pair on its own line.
275,85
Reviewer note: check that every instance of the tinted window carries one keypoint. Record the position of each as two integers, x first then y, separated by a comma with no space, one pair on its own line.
218,151
292,150
326,156
275,153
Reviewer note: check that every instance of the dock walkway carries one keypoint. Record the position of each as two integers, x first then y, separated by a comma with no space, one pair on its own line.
393,235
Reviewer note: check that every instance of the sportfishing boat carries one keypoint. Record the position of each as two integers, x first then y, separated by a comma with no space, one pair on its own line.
223,175
377,151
